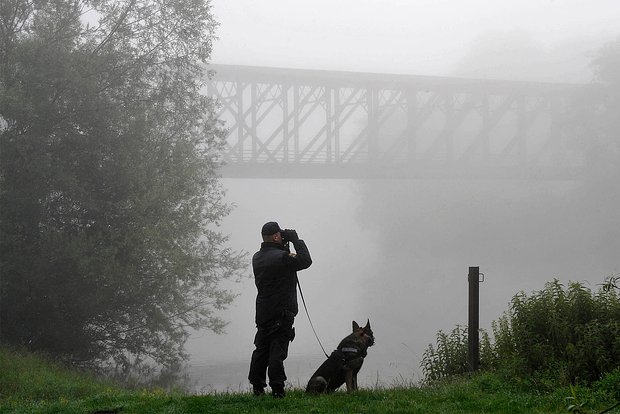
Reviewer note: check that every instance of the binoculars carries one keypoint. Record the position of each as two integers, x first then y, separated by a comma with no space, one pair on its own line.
289,235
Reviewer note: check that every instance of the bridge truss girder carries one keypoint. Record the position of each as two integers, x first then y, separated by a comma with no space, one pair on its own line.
299,123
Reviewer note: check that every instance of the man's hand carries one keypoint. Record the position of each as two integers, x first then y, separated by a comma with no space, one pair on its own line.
289,235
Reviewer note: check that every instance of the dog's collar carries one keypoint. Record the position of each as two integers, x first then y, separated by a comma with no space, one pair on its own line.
349,350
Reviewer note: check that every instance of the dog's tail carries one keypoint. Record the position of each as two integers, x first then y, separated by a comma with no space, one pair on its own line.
316,385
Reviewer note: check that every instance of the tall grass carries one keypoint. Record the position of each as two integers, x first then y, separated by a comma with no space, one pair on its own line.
26,377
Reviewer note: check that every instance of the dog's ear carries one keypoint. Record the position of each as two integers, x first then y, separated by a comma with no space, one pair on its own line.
355,326
367,327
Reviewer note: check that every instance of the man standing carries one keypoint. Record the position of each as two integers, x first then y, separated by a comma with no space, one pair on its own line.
275,274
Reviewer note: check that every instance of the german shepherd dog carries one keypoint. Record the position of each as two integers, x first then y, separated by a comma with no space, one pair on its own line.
344,363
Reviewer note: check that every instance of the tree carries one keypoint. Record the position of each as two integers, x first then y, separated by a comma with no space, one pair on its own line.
594,128
607,63
607,70
109,194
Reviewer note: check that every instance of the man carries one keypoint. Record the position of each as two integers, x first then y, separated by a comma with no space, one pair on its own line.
275,274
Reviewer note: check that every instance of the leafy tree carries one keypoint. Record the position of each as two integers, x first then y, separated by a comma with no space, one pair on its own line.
593,119
607,70
109,196
606,64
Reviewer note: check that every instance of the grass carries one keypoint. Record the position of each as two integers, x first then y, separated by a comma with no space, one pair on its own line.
30,384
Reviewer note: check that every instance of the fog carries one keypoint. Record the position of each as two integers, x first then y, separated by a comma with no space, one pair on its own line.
397,252
420,37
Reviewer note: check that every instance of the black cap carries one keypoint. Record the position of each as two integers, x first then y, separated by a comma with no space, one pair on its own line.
270,228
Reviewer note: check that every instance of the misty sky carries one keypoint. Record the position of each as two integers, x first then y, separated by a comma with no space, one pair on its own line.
424,37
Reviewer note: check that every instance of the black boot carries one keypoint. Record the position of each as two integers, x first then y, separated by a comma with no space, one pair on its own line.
278,392
257,390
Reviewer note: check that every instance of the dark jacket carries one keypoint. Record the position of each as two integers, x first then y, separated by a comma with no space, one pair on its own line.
275,275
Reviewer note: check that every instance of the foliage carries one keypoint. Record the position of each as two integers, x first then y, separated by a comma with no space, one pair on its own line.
559,335
25,376
592,123
586,400
109,197
448,357
571,331
606,64
609,384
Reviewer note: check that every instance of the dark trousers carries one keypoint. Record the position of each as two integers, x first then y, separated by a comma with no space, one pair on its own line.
268,358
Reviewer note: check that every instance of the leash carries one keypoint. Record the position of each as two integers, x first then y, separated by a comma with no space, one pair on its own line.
308,315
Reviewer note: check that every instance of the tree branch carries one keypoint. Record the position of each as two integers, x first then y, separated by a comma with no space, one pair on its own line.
115,28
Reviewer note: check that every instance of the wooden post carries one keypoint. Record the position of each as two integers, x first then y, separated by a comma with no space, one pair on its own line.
473,340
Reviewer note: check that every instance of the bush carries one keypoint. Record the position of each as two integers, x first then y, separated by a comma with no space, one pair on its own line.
449,357
556,335
609,385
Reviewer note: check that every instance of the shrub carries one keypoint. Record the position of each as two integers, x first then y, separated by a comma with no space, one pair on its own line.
449,356
609,385
559,334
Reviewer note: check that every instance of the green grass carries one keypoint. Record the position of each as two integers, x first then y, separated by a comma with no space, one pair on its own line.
29,384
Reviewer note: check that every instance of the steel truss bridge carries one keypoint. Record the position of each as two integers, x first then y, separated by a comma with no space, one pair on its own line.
323,124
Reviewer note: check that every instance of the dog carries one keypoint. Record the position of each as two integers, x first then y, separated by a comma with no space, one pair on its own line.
344,363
